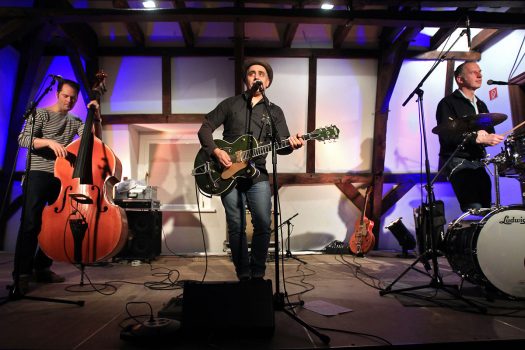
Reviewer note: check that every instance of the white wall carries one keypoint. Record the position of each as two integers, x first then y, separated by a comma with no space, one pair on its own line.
345,98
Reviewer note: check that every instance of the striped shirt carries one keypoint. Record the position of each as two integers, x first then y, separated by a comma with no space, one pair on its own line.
49,125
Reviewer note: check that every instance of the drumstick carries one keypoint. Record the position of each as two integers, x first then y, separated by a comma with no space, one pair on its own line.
514,128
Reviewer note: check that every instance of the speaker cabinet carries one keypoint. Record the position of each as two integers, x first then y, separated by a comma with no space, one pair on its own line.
242,309
144,235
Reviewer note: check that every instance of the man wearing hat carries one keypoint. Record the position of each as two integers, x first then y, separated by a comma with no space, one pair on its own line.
248,114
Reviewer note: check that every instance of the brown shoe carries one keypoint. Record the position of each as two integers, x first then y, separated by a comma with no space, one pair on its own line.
48,276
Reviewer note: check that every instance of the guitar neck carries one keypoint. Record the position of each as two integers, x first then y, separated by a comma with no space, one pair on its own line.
264,149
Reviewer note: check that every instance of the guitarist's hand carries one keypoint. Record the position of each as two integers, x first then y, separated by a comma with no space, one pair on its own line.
296,142
223,157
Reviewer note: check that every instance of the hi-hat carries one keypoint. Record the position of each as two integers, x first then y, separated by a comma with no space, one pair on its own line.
473,122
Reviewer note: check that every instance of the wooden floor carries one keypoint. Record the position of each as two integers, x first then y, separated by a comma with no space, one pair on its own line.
119,295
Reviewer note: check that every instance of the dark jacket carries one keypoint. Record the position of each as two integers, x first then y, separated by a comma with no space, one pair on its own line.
456,106
238,119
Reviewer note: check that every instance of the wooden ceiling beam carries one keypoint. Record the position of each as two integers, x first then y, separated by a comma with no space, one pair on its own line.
478,19
375,3
185,27
135,32
239,42
440,36
249,51
389,65
291,29
83,36
444,32
16,29
488,37
452,55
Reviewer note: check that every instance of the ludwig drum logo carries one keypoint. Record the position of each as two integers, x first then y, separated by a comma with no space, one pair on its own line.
509,220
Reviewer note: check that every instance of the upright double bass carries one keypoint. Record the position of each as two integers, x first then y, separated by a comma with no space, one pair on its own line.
84,225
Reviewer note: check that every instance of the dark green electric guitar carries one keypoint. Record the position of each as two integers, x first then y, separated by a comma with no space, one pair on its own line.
213,179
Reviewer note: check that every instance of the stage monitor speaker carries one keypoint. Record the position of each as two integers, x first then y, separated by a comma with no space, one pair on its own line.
144,235
403,236
243,309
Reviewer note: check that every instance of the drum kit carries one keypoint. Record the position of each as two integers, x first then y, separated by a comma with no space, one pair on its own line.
487,246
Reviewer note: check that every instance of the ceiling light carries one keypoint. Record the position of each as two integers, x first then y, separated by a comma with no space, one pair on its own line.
327,6
149,4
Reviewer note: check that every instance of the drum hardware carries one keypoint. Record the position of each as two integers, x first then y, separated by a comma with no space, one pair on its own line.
513,157
496,184
511,162
485,247
436,281
470,123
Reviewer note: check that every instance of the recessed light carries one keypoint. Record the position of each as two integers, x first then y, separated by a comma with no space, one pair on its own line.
327,6
149,4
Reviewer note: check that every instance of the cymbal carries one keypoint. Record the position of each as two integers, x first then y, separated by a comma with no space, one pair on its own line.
473,122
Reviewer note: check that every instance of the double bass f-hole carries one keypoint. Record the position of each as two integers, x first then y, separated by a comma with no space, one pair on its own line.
81,198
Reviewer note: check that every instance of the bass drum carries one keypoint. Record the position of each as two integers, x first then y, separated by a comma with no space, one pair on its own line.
488,248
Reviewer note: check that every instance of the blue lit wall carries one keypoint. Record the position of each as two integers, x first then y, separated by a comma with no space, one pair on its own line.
9,63
59,65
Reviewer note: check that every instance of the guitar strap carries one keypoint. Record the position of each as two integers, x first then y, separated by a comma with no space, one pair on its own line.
264,124
248,123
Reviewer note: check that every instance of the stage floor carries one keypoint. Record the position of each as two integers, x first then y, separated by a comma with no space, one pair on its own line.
343,306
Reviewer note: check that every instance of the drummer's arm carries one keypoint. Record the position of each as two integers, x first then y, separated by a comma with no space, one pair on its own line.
485,138
445,113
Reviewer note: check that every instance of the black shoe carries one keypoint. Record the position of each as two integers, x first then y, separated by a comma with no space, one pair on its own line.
23,284
48,276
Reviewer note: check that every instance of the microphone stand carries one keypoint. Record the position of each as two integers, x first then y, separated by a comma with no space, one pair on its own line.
279,303
436,279
289,254
14,289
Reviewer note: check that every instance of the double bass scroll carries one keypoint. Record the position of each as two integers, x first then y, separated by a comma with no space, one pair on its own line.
84,225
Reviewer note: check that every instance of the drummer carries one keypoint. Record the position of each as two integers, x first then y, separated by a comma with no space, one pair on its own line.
466,171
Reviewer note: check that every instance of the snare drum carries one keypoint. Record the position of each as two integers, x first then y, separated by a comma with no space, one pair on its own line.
514,156
489,248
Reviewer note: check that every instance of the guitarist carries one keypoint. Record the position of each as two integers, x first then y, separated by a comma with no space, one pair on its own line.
248,114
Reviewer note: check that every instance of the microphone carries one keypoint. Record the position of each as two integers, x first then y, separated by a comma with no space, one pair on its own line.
497,82
56,77
469,41
256,86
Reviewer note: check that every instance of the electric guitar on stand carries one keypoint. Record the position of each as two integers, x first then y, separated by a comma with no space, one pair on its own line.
363,239
213,179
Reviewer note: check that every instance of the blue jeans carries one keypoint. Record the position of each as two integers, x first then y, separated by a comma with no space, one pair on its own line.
257,198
